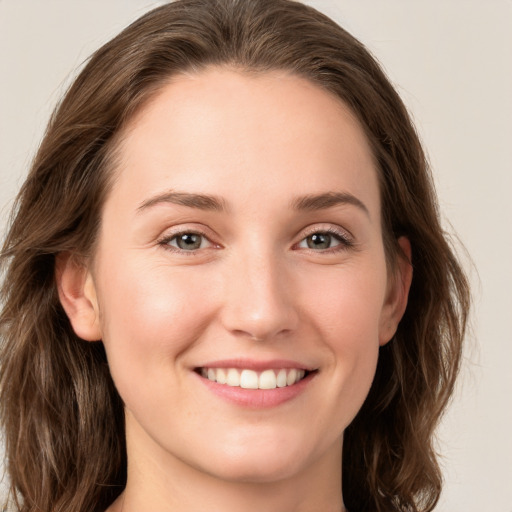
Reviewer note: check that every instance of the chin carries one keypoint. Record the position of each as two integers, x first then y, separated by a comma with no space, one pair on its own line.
260,462
256,471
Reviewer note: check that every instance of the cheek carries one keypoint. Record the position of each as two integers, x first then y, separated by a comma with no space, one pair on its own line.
345,309
149,317
346,303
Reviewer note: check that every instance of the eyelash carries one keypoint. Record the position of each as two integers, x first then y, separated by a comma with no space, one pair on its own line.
166,240
344,239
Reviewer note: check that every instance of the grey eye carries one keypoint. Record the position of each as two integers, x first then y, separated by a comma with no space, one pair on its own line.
319,241
187,241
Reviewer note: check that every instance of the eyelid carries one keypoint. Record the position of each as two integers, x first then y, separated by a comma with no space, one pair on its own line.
327,228
345,238
172,233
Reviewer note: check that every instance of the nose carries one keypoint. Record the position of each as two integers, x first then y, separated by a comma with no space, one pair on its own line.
259,298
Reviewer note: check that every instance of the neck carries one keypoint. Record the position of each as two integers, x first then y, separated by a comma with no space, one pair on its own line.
170,485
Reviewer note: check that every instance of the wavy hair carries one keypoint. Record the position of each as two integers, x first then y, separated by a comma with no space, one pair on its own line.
62,417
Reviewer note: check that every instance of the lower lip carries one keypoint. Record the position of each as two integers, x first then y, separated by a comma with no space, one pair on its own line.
257,398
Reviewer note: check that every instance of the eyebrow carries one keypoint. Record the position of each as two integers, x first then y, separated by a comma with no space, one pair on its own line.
315,202
200,201
310,202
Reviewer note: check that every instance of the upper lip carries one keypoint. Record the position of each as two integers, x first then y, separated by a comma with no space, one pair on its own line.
252,364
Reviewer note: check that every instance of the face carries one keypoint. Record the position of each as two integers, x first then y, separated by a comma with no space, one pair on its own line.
241,248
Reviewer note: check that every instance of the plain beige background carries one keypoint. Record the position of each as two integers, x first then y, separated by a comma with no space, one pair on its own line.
451,60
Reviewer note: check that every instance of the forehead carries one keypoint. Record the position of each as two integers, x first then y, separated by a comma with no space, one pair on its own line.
222,130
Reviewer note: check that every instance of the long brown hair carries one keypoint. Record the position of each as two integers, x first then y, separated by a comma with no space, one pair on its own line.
63,418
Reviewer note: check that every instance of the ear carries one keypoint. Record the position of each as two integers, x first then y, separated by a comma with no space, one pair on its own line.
397,293
77,295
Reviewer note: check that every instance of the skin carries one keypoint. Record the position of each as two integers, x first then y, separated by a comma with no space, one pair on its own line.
253,289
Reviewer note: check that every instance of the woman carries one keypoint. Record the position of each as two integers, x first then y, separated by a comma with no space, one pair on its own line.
209,294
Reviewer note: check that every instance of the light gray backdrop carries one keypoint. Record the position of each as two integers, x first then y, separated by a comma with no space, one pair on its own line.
452,63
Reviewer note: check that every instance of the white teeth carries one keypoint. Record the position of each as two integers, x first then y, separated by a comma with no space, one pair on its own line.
281,378
233,377
291,377
268,380
221,376
250,379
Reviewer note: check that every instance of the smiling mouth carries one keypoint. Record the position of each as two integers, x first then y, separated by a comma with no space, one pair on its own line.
250,379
